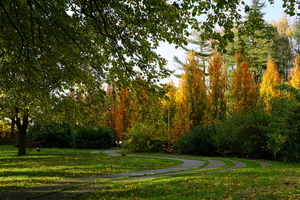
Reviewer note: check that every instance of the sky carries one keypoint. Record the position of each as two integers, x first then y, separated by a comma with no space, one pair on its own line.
168,51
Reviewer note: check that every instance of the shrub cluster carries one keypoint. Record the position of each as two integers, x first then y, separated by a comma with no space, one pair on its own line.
257,134
85,138
54,135
244,135
145,137
51,135
199,142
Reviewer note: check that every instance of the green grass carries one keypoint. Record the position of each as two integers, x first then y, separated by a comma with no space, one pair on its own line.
280,181
51,165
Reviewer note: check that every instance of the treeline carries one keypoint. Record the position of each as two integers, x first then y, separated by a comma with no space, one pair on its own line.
241,102
220,112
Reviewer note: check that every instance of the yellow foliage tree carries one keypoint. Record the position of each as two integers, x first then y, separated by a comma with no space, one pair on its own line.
190,99
282,52
295,73
244,88
270,80
217,84
283,26
181,125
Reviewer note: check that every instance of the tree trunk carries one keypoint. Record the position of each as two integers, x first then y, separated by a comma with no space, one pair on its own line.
12,131
22,141
22,128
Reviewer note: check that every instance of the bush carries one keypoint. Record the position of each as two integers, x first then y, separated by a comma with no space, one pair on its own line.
160,146
143,137
285,139
51,135
85,138
245,135
199,142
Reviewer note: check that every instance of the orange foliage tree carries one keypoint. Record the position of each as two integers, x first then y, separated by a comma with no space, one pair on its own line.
295,73
109,104
217,84
244,88
121,111
270,80
190,99
128,106
181,123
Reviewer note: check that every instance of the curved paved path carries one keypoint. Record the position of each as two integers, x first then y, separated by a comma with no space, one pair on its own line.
188,164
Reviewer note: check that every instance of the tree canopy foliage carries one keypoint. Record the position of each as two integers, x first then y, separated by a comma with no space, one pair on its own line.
48,49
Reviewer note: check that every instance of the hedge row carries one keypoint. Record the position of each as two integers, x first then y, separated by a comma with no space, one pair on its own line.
56,135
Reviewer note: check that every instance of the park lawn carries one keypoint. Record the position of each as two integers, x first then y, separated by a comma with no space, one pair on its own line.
280,181
55,164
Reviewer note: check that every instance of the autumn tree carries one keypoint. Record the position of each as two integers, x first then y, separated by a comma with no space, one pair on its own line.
295,73
181,124
296,35
109,104
217,85
122,113
270,80
46,47
169,103
147,115
194,89
191,98
134,105
283,50
244,89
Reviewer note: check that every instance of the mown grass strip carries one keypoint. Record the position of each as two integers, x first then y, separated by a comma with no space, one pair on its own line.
279,181
119,180
52,165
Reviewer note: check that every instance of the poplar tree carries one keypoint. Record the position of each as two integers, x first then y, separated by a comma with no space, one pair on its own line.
47,47
282,51
194,89
190,98
296,35
169,103
295,73
122,113
270,80
181,124
217,85
244,89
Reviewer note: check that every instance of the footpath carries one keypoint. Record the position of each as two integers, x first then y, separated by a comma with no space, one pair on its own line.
66,189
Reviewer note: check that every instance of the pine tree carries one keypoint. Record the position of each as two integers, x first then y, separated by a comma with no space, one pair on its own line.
257,43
